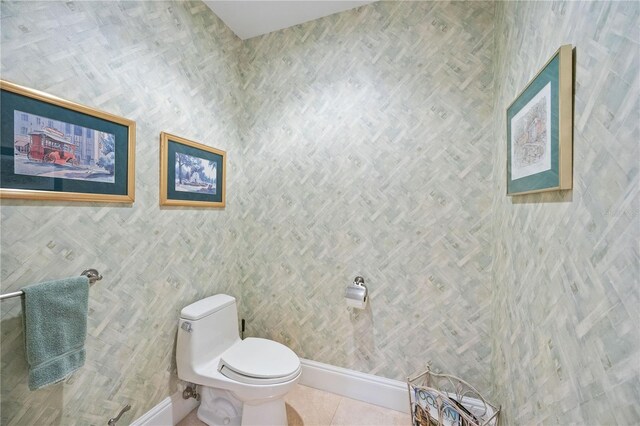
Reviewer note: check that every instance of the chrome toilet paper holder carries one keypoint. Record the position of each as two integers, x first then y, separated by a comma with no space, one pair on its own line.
357,290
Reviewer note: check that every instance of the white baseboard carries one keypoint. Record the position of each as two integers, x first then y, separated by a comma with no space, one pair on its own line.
392,394
387,393
168,412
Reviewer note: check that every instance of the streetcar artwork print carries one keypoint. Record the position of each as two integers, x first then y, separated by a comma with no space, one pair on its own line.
56,149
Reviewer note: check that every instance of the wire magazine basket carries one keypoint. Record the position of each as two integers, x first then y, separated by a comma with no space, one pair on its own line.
445,400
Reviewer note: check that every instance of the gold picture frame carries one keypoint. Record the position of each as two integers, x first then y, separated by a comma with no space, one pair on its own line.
540,130
58,150
191,174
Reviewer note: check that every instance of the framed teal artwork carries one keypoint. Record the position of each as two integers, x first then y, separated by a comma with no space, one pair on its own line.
540,130
191,174
57,150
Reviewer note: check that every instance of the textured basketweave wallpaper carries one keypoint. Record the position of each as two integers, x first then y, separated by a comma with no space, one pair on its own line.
566,343
168,66
369,143
368,137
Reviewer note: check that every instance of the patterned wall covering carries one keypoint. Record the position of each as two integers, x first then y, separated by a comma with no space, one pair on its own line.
168,66
566,344
369,136
358,144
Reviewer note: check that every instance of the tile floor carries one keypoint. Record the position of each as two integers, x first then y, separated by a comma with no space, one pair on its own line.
312,407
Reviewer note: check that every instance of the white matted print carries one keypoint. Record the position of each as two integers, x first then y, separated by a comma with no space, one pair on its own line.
531,136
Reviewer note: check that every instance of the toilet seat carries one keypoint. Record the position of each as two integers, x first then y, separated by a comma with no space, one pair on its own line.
259,361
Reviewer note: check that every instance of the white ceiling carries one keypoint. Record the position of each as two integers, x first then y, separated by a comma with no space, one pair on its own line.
253,18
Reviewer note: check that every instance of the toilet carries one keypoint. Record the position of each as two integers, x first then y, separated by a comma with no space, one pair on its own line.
242,382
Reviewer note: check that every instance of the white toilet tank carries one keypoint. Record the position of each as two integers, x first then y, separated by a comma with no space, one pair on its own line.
207,328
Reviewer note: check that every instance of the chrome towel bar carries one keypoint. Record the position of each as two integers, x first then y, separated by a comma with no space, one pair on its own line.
92,274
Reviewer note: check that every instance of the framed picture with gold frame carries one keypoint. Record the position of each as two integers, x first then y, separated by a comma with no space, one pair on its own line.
54,149
191,174
540,130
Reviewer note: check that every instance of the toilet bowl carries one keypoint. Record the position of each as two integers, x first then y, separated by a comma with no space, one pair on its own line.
243,382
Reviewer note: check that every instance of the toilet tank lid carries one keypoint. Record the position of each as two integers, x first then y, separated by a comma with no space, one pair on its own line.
207,306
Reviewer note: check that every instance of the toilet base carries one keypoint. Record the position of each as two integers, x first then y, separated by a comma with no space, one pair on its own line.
272,413
219,407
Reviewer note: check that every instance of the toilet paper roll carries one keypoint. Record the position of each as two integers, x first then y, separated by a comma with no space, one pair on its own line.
358,304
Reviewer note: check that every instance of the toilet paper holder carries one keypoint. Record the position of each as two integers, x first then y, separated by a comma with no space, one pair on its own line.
357,291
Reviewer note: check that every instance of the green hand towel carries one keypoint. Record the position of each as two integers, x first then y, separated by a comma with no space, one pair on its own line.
55,328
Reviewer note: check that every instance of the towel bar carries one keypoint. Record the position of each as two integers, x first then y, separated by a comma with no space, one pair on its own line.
92,274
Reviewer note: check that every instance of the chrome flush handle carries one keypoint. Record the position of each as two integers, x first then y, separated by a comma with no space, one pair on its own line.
113,421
